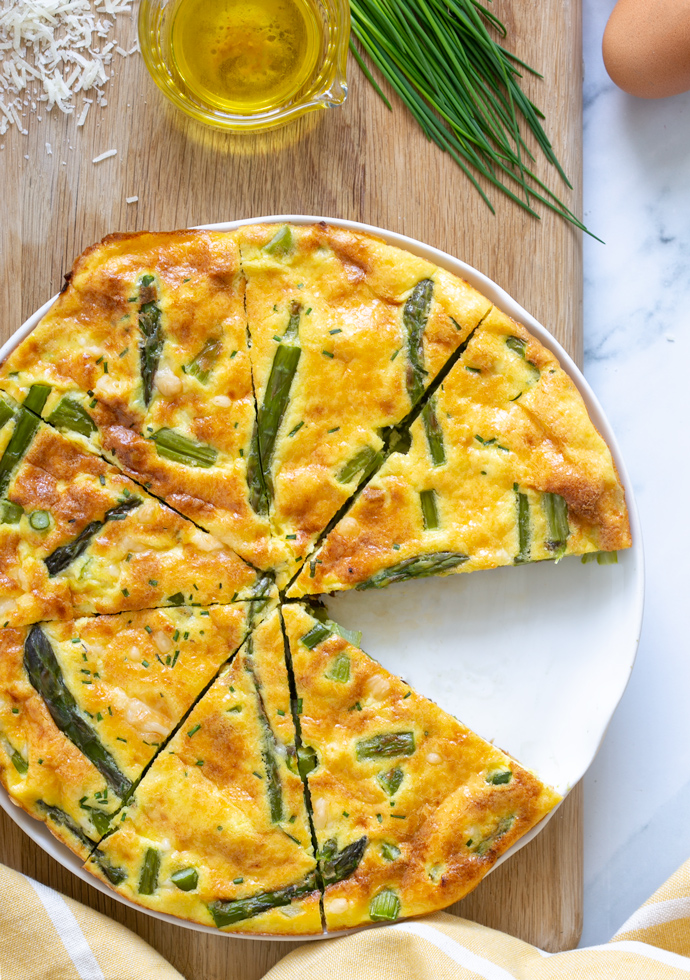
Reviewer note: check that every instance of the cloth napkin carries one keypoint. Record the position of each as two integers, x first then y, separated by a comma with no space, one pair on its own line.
45,936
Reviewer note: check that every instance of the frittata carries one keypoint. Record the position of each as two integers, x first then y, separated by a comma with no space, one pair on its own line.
514,472
423,804
347,334
79,537
231,846
86,704
205,429
144,356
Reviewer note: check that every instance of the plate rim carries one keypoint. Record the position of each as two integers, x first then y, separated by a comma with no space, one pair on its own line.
39,832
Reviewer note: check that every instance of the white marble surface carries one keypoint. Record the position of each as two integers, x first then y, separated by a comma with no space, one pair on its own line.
637,357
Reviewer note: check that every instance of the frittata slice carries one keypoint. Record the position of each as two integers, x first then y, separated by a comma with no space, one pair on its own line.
145,358
217,831
347,332
78,537
515,472
86,704
420,805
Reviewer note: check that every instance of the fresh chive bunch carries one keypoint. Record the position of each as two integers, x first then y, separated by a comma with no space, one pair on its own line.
462,87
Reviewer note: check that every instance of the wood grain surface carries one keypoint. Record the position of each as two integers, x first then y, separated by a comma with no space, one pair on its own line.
360,162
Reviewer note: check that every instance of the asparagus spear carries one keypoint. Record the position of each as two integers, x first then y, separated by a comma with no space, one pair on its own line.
389,852
36,398
281,243
205,360
46,677
181,449
420,566
10,513
63,556
415,315
317,634
387,745
151,345
24,430
354,637
225,913
384,907
499,777
523,554
390,781
434,433
427,499
274,789
186,879
6,412
517,345
69,414
260,595
556,510
480,847
363,463
339,670
270,414
114,875
18,760
148,878
338,865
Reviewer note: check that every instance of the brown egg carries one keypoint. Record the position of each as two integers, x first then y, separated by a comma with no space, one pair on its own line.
646,47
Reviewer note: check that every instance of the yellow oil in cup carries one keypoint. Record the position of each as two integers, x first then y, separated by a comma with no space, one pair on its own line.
246,55
247,64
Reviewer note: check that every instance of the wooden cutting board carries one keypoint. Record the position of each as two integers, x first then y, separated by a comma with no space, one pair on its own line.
360,162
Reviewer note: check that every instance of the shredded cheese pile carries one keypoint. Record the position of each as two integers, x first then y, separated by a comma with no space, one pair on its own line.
52,52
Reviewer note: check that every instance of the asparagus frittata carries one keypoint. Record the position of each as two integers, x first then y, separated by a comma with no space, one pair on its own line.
205,431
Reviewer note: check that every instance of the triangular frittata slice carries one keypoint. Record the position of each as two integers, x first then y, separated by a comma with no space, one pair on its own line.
86,704
144,356
418,804
347,333
217,831
515,471
79,537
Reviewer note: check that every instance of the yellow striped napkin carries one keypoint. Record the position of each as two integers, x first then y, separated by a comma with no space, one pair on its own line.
44,936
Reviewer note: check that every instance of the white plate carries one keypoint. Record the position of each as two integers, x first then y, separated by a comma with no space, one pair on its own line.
534,657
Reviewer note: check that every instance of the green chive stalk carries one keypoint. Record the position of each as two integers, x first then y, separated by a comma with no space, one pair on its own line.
463,87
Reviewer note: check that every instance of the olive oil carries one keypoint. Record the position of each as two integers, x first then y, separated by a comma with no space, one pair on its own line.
246,56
